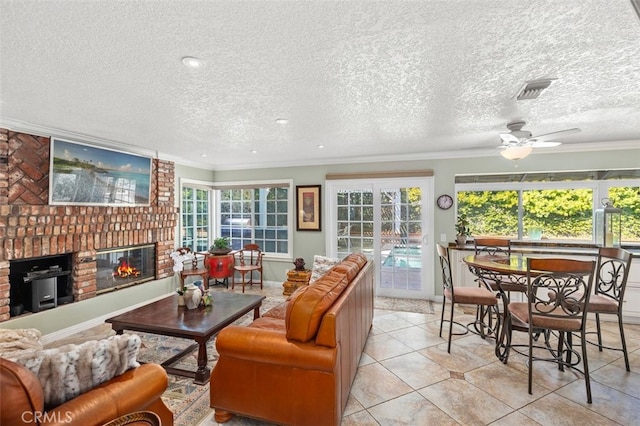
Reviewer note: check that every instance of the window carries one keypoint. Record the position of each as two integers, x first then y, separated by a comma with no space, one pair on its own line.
195,218
255,212
558,206
256,215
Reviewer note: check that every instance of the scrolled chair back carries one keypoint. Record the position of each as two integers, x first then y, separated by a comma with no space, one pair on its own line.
445,266
492,246
612,273
559,289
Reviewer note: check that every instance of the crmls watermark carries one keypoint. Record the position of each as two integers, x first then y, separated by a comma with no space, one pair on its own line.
37,417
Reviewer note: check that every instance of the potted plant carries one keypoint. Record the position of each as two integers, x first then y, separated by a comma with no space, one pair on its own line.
462,230
220,246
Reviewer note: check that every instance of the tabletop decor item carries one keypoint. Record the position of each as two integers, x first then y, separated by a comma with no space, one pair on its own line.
220,246
462,230
192,296
299,263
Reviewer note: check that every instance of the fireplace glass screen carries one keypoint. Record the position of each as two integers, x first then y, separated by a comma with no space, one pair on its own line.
125,266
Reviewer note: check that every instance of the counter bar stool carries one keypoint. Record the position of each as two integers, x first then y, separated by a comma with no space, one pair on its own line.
612,272
480,296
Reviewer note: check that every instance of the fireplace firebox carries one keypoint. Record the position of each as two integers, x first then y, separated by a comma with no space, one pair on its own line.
124,267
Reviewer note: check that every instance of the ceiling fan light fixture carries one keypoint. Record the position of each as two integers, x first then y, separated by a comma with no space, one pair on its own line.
516,152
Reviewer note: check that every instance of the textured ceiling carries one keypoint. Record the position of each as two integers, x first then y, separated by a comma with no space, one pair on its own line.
368,80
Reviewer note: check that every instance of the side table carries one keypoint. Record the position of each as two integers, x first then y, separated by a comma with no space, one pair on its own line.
296,279
220,268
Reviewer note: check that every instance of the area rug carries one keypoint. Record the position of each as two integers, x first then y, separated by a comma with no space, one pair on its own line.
405,305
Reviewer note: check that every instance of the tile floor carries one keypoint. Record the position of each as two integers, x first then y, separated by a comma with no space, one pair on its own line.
406,377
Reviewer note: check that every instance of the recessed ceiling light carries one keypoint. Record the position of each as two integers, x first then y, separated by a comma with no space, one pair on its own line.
191,62
320,146
253,151
282,120
203,155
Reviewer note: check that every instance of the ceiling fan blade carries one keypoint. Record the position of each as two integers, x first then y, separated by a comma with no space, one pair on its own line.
543,144
554,135
508,138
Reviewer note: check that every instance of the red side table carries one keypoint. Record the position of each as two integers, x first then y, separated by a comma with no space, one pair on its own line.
220,268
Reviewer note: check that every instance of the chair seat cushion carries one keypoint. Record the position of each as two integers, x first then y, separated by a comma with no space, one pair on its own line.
521,311
602,304
472,295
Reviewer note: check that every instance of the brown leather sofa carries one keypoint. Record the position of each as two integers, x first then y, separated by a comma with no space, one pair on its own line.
295,365
137,389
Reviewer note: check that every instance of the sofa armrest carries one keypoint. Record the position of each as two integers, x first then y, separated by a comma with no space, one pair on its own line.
135,390
272,347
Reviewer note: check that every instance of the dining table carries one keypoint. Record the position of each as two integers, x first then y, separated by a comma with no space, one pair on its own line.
504,274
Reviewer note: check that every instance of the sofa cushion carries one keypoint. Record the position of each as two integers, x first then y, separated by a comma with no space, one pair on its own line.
279,311
70,370
348,268
269,323
359,258
321,265
305,310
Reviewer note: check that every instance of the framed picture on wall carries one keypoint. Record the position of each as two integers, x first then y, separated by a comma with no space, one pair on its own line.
87,175
308,217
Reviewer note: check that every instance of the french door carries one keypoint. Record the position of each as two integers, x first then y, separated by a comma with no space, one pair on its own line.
387,220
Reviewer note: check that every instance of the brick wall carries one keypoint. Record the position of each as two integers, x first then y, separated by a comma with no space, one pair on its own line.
29,227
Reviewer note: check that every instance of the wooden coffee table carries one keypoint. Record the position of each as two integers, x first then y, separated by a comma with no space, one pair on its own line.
166,318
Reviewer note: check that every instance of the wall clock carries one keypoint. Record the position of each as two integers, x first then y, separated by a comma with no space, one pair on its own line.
445,202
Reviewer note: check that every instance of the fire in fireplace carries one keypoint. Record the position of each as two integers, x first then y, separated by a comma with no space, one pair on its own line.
124,267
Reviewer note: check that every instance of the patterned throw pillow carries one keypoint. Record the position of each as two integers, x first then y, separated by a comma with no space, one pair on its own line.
321,264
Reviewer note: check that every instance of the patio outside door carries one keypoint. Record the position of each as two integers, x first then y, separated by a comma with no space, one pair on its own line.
385,220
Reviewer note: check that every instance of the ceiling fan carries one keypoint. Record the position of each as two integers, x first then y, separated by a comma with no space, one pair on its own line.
519,143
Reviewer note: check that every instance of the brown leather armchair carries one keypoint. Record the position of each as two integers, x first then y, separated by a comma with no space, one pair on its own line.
137,389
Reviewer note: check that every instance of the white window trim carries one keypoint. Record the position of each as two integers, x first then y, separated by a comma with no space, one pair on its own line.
215,211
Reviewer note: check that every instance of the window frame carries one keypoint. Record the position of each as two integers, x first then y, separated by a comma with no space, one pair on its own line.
214,189
600,190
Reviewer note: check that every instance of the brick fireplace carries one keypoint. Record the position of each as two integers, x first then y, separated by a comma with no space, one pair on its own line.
31,228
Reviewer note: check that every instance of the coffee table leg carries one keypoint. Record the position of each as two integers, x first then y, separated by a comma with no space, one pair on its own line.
256,313
203,373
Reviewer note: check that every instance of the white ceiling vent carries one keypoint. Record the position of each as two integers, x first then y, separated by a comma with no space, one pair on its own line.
532,89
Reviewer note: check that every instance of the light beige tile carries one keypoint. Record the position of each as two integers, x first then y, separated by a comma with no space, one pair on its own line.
353,406
459,359
416,337
464,402
515,418
505,383
374,384
607,401
555,410
390,322
383,346
617,377
416,370
361,418
411,409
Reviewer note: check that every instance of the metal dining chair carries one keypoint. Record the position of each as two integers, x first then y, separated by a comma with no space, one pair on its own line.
481,296
612,272
558,291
